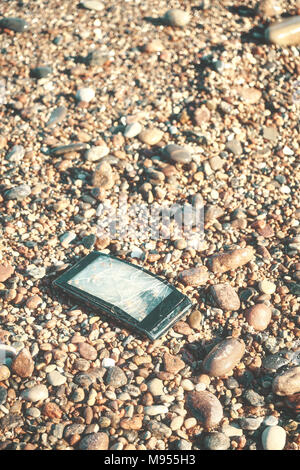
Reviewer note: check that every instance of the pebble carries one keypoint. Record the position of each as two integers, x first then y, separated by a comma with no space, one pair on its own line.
108,362
158,429
94,441
33,412
231,260
194,276
176,17
103,176
52,410
267,287
288,382
33,302
18,192
176,423
151,136
172,364
270,421
195,319
212,213
273,438
156,387
23,364
37,272
63,149
153,46
57,115
250,424
3,395
235,147
155,410
269,8
18,25
216,441
205,407
275,361
16,154
6,271
87,351
56,379
225,297
41,72
4,373
224,357
115,377
36,393
182,444
176,153
259,316
96,5
253,397
96,153
285,33
132,130
85,94
135,423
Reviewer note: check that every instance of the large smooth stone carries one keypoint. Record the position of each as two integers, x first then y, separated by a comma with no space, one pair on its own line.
273,438
231,260
205,407
259,316
285,33
288,382
224,357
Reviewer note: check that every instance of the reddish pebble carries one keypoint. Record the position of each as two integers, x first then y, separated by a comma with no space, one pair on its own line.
224,357
33,302
6,270
259,316
173,364
231,260
87,351
52,410
23,364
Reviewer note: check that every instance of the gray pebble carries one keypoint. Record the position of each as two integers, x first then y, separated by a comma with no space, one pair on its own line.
18,192
62,149
41,72
18,25
115,377
177,154
250,424
57,115
3,395
254,398
216,441
16,154
235,147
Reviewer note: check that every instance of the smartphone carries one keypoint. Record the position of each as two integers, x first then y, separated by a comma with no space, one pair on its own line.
127,293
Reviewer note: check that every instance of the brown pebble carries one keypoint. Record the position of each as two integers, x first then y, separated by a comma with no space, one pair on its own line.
4,373
23,364
33,302
225,297
224,357
6,270
288,382
135,423
259,316
194,277
205,407
52,410
231,260
182,328
94,441
195,320
87,351
172,364
151,136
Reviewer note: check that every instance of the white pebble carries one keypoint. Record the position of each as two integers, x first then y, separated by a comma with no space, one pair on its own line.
108,362
132,130
273,438
85,94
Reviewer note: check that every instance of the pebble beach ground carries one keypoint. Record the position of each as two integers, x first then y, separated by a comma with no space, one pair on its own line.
106,98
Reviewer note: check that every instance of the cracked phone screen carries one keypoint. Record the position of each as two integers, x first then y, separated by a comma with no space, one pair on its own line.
132,290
